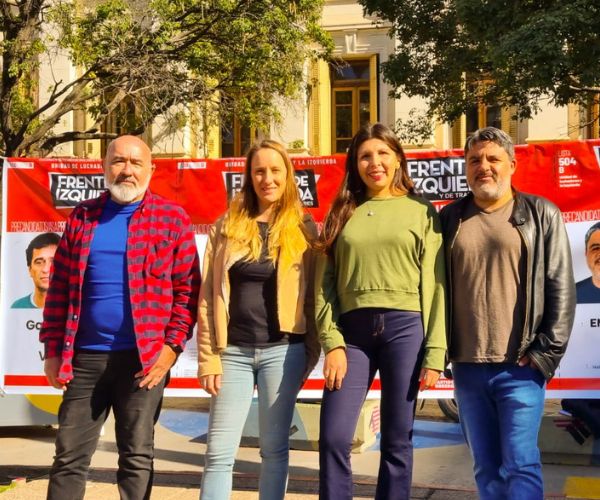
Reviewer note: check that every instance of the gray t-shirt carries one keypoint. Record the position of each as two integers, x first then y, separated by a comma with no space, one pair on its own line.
488,263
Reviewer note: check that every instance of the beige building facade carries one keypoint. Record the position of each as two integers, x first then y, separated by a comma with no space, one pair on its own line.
336,99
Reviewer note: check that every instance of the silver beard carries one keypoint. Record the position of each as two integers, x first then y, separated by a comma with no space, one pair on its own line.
122,193
491,194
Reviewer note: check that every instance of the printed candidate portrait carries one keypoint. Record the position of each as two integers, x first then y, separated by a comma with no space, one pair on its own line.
588,289
39,256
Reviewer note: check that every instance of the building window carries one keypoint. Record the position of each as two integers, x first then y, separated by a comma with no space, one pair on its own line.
487,116
354,100
236,138
483,116
589,117
122,120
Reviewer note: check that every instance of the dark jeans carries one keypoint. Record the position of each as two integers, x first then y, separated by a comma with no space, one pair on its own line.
103,381
390,341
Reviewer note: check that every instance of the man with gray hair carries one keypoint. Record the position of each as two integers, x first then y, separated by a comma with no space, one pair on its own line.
512,303
588,290
120,308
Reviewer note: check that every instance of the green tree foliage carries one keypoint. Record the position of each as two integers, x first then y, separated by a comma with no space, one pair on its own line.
153,57
457,53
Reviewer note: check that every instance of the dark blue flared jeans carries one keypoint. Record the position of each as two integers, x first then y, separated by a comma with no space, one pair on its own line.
103,381
390,341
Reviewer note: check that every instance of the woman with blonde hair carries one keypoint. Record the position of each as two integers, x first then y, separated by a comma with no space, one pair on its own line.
256,320
380,306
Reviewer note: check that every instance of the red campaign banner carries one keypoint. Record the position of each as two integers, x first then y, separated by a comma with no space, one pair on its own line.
43,191
568,173
39,194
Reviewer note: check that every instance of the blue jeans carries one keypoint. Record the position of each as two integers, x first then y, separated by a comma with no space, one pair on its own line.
390,341
276,372
500,407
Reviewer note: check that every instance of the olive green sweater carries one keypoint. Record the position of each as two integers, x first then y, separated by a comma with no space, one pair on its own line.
392,258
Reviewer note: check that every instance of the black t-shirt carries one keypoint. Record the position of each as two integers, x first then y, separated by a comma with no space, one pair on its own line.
253,320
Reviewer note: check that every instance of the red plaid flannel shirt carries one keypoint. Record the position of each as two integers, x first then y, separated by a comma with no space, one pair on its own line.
164,279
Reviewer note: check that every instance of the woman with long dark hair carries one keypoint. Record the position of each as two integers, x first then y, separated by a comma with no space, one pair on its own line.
256,320
380,305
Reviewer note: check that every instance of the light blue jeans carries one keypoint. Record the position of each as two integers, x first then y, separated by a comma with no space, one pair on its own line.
500,407
276,372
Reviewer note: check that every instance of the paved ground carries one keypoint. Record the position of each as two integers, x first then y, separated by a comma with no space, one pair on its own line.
442,464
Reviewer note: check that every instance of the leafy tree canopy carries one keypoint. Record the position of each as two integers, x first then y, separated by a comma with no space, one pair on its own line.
457,53
154,56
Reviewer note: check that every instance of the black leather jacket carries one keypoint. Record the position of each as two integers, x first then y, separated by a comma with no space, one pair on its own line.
549,284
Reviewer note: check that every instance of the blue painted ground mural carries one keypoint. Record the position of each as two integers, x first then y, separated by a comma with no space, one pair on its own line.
427,433
432,434
191,423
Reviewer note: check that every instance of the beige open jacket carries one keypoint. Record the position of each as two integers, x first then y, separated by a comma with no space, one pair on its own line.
295,300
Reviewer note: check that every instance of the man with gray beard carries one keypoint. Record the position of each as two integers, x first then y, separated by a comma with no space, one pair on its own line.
120,308
512,304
